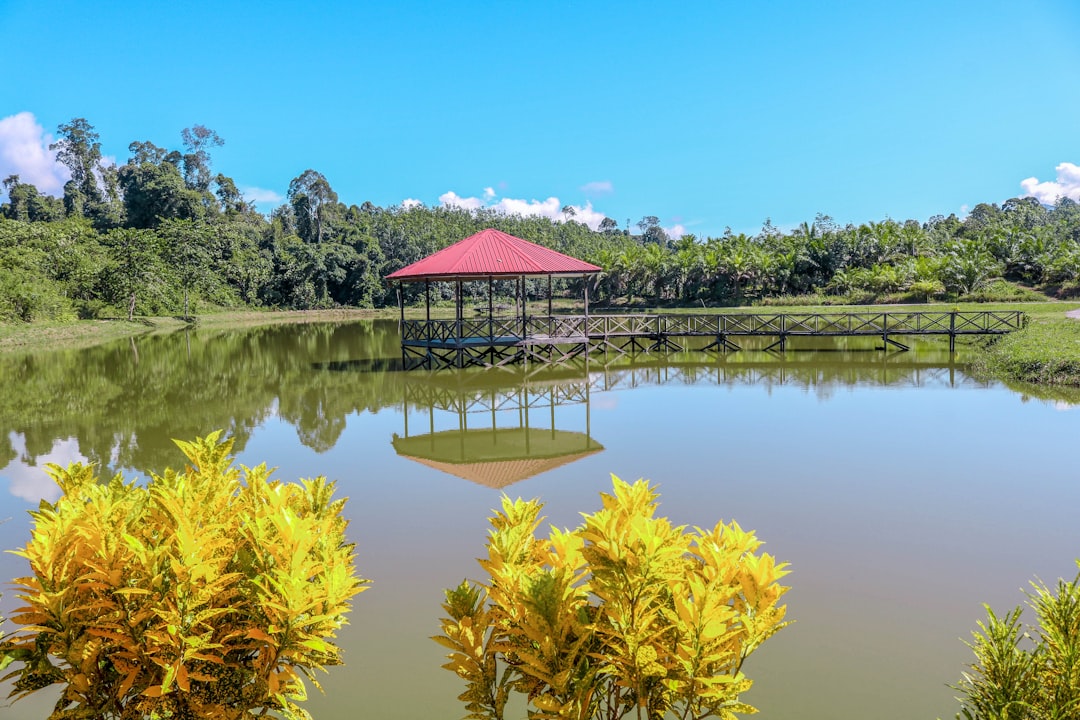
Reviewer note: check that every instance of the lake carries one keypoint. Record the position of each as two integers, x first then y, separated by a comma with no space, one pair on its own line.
903,493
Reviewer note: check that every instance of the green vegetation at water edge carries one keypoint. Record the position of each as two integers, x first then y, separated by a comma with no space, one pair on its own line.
164,234
57,335
1046,352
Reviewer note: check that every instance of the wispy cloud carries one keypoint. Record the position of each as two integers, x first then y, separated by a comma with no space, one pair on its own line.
24,151
551,208
1066,185
260,195
598,187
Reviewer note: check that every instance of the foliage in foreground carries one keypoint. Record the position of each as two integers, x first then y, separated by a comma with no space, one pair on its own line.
626,614
1013,679
207,593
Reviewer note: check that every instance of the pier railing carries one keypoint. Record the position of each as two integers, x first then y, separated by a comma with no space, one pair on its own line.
654,326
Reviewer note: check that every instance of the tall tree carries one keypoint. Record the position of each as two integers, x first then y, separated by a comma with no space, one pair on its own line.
232,200
154,190
93,190
26,204
311,198
135,265
197,141
79,149
185,243
651,232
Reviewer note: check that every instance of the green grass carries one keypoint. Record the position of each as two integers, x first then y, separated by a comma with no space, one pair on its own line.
1046,352
53,335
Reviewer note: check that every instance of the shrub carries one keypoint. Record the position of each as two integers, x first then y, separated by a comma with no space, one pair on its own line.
203,594
625,614
1014,680
1002,291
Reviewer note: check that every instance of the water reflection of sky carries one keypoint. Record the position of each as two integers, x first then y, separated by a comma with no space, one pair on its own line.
27,481
900,508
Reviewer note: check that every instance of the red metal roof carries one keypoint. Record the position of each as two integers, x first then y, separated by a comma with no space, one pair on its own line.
492,253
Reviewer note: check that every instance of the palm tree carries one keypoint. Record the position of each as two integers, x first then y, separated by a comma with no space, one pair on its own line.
968,266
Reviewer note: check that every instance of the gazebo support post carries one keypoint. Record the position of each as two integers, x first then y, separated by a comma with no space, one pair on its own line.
401,308
401,322
524,321
585,283
549,296
460,313
491,308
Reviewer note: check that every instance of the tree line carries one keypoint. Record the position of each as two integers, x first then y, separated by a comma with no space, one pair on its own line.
163,234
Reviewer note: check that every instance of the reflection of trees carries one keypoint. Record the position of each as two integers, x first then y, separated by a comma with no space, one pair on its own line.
7,450
128,401
124,402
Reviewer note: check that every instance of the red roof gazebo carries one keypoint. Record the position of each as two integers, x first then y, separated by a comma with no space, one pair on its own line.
492,254
488,255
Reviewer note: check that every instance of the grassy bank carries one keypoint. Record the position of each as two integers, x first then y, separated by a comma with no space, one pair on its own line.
42,336
1046,352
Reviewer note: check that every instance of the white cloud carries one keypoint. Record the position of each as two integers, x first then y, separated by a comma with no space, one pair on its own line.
1066,185
29,482
452,199
675,232
598,187
587,216
411,203
551,208
259,195
24,151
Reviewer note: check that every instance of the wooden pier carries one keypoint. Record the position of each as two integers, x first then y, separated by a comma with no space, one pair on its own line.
493,341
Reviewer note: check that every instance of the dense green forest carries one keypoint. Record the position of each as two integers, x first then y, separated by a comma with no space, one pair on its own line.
163,234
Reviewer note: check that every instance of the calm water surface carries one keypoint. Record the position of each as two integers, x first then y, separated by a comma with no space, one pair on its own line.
903,493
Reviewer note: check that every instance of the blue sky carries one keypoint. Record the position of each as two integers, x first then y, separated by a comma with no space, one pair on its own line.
704,114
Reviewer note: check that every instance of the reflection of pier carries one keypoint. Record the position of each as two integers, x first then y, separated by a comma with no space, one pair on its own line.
560,338
503,434
808,374
496,427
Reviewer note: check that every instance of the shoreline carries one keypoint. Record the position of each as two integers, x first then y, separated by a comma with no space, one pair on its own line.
78,334
1045,354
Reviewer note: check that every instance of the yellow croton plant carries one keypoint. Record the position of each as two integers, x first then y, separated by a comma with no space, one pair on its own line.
626,616
208,593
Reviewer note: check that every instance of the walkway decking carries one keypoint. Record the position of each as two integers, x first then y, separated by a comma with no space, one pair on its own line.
550,339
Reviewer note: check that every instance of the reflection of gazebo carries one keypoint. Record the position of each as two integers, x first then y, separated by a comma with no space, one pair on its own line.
497,440
497,457
491,255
